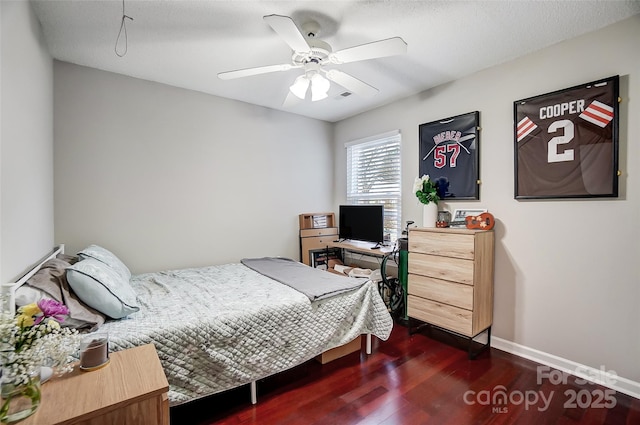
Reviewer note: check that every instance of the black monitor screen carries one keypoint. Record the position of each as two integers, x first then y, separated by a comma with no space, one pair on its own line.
362,223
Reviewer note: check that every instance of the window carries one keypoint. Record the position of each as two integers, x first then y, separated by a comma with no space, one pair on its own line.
373,176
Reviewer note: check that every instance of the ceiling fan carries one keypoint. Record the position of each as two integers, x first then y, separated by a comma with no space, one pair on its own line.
312,55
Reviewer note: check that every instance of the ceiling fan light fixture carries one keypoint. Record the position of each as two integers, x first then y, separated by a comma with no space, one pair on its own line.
319,87
312,54
300,86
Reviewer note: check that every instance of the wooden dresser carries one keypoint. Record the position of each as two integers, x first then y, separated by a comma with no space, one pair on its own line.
317,232
450,281
132,389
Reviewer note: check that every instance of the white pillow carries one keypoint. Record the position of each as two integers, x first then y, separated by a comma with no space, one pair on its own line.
102,254
103,288
28,295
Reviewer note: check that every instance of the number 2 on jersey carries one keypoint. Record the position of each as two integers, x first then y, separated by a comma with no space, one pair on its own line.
552,147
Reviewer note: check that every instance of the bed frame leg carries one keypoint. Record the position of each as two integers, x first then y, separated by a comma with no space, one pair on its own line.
368,343
254,396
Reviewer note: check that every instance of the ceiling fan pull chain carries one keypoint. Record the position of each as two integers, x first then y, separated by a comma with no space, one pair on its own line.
123,27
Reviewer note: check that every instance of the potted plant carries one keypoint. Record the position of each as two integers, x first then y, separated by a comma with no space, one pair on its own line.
427,193
29,340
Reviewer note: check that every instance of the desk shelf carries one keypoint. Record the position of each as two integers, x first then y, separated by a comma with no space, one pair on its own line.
317,231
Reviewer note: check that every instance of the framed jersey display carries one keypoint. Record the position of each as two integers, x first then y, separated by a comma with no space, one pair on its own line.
566,142
449,155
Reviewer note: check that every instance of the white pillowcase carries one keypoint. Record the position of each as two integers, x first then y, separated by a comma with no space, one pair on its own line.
28,295
102,254
102,287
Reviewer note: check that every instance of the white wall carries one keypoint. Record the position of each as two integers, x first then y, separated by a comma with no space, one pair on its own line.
26,141
567,278
166,177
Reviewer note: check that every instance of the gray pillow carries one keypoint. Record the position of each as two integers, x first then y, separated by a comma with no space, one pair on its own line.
102,254
102,288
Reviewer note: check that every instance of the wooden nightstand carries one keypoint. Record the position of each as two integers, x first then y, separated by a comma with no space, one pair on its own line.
132,389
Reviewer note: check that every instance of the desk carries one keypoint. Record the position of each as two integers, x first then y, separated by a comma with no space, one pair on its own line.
362,248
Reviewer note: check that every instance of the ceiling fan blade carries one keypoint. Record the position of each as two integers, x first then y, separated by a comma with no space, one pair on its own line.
351,83
287,29
377,49
247,72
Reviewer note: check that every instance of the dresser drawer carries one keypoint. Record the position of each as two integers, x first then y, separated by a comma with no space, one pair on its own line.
446,316
451,269
458,245
455,294
325,231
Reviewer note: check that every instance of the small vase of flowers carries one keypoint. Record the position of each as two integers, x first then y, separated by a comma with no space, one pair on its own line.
29,340
427,193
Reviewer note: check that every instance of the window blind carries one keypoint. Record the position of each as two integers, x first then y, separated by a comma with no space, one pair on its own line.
373,177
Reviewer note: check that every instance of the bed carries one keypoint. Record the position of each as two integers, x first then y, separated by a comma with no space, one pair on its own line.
220,327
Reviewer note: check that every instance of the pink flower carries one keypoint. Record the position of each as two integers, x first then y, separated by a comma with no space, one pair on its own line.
53,309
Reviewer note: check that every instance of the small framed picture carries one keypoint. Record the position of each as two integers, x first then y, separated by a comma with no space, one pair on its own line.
459,216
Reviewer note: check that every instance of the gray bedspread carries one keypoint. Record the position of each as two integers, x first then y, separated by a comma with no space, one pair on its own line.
220,327
316,284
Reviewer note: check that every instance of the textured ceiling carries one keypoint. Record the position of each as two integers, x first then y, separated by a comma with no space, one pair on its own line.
187,43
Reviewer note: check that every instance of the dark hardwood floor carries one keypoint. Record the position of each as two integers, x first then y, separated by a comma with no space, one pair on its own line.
425,378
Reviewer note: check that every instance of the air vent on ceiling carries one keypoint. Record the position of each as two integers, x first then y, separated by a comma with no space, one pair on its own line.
342,95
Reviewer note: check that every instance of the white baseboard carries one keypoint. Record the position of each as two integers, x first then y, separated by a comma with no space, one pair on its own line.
598,376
